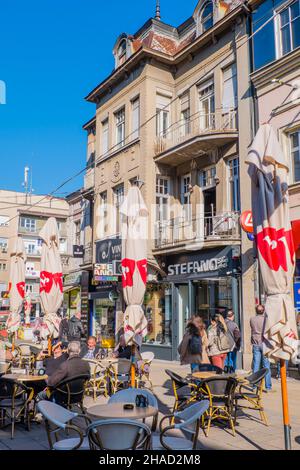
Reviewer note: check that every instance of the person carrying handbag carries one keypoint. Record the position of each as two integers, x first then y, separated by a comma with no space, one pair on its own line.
220,341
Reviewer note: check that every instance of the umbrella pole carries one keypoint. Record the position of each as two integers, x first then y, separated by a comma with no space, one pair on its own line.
285,407
132,367
13,340
49,346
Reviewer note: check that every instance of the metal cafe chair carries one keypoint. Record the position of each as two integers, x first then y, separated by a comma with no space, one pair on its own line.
184,391
14,400
252,392
98,379
187,422
59,423
118,434
70,392
220,393
144,366
119,374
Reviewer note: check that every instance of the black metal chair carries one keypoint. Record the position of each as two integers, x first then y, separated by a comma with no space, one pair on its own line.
220,393
14,400
210,368
184,391
252,391
70,392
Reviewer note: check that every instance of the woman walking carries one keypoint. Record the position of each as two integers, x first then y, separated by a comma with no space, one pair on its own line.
219,343
193,347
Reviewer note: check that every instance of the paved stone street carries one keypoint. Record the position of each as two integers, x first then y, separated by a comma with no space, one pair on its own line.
251,434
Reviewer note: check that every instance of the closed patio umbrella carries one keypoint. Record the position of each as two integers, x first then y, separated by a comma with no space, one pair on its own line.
16,285
51,283
134,268
268,169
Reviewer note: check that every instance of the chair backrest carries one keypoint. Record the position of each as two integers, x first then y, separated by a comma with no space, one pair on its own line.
12,389
178,381
93,363
209,368
219,386
70,391
129,395
257,377
189,416
123,366
25,349
118,434
4,366
56,414
147,356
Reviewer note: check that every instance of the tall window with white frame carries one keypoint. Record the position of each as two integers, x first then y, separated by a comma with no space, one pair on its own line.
120,127
118,192
105,136
162,207
234,184
103,214
229,98
206,92
3,244
295,156
185,115
135,118
288,29
185,197
162,114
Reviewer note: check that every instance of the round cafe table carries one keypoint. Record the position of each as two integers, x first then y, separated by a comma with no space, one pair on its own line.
25,377
116,411
208,374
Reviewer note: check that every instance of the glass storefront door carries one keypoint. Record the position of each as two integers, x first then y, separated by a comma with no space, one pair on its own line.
104,322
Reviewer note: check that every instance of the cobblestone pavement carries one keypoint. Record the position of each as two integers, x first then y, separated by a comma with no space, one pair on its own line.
251,434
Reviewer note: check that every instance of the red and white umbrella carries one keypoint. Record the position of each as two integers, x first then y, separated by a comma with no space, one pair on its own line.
268,168
134,264
51,280
16,285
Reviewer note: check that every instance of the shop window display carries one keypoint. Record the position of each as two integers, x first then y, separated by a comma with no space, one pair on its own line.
104,322
158,313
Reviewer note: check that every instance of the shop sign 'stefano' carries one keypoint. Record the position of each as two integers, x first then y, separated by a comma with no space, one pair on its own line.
193,267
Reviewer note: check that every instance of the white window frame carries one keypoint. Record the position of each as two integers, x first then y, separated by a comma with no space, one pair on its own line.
211,178
135,117
162,196
207,120
105,136
103,213
277,27
200,28
117,204
163,109
185,194
230,179
3,244
26,223
292,179
120,125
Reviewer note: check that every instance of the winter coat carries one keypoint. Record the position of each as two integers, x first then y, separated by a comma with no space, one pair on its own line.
183,349
75,329
72,367
213,343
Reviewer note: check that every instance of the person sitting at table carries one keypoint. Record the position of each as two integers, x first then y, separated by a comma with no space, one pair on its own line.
72,367
121,350
59,356
90,350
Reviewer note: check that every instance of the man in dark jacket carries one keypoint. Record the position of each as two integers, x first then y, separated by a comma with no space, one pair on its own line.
90,350
122,351
59,356
233,329
75,330
72,367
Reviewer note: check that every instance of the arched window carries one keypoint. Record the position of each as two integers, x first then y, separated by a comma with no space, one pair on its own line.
206,17
122,52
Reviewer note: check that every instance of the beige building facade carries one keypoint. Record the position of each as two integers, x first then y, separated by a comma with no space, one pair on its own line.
24,215
175,118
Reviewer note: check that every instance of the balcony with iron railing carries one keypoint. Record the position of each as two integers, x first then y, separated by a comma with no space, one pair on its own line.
211,230
187,139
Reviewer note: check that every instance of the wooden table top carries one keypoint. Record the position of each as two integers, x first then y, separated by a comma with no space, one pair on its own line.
116,410
25,377
209,374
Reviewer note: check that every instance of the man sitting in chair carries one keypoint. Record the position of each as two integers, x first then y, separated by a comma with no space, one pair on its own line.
91,349
121,350
72,367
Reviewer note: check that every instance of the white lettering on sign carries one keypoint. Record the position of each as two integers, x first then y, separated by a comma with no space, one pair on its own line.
194,267
249,221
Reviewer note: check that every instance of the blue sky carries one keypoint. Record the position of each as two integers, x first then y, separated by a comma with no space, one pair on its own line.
52,53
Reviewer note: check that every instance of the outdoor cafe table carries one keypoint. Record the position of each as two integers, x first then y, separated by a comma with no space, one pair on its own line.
208,374
116,410
25,377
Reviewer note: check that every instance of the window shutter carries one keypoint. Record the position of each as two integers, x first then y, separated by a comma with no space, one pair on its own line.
135,118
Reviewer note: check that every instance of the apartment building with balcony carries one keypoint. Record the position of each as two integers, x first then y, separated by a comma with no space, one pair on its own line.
18,218
175,117
276,80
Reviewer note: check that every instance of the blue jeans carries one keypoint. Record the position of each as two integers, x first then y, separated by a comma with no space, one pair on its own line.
259,362
230,362
195,368
278,368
